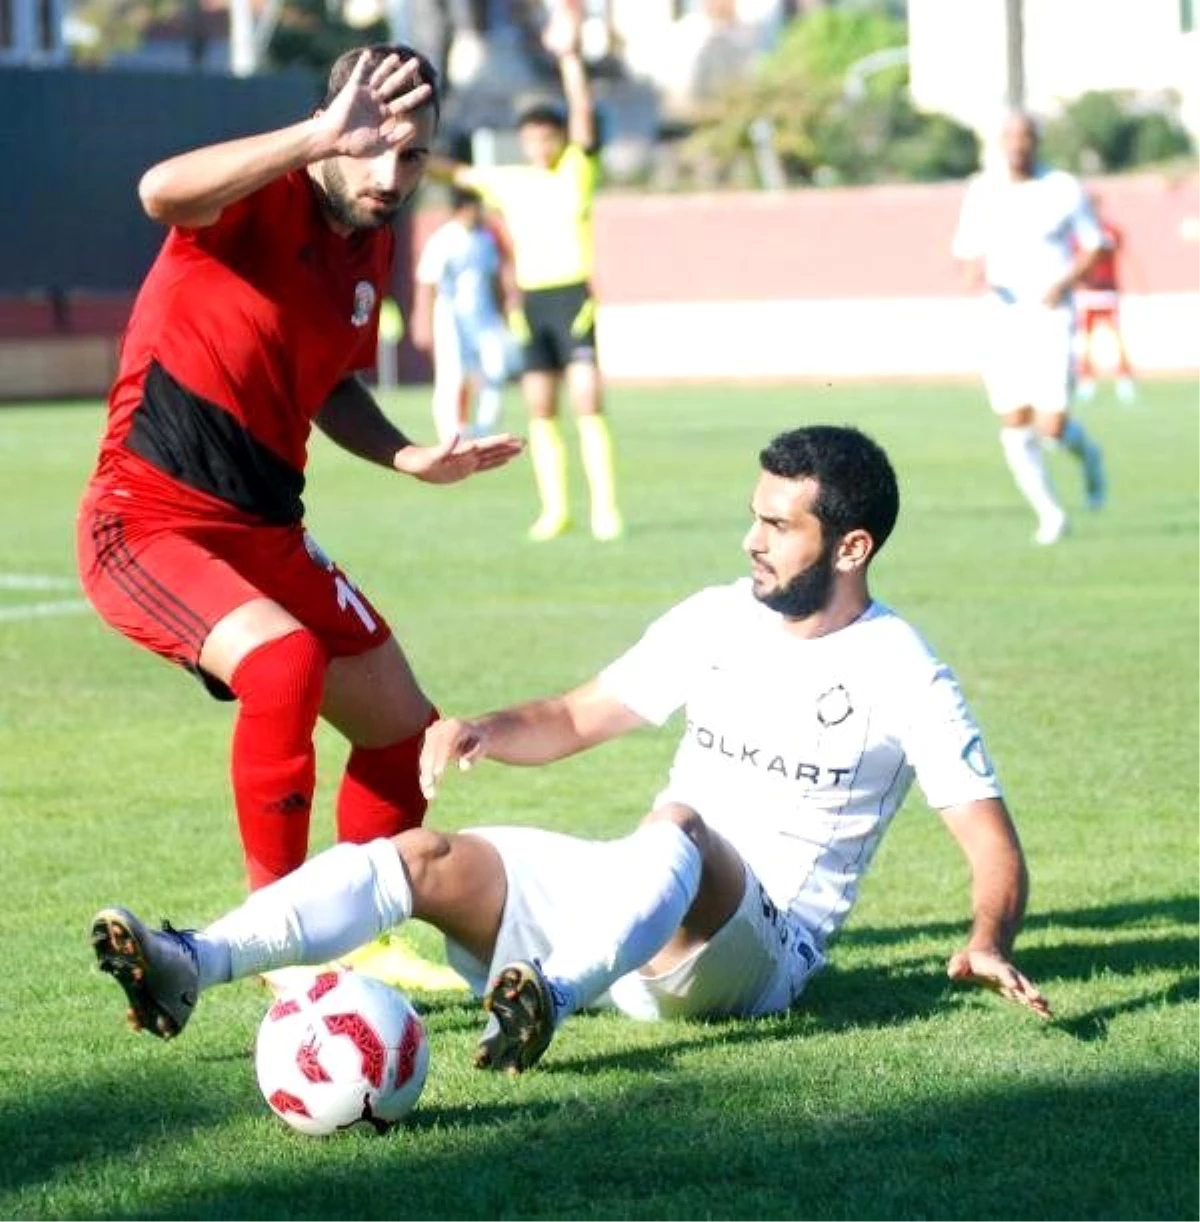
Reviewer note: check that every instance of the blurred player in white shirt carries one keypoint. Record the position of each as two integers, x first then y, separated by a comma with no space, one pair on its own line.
810,708
459,308
1027,235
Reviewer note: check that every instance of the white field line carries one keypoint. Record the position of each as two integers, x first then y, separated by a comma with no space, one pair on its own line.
35,581
64,606
40,581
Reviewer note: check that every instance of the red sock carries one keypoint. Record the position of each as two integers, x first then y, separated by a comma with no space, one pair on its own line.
381,790
279,685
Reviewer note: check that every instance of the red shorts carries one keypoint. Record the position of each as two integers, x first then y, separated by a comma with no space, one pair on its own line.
1097,307
1096,316
165,582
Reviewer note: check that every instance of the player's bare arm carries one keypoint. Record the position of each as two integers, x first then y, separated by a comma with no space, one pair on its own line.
352,419
562,40
456,173
538,732
369,116
1082,263
999,889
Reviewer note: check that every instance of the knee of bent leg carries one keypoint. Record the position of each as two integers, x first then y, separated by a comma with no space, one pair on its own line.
1052,425
286,671
423,850
686,818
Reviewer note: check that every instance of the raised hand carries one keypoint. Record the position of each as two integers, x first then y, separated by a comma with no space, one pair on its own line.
374,113
564,29
994,971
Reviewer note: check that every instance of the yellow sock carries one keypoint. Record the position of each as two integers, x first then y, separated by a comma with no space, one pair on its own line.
596,450
549,457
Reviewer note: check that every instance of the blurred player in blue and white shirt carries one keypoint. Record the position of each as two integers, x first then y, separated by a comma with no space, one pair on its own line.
1027,235
459,306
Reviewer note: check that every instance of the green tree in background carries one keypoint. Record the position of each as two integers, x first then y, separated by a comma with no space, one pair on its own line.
1103,132
823,45
824,131
107,28
312,34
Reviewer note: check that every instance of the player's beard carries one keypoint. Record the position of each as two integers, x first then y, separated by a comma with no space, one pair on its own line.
343,206
808,592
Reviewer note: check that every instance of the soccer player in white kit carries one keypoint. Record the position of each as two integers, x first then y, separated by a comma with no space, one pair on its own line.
809,710
459,301
1026,234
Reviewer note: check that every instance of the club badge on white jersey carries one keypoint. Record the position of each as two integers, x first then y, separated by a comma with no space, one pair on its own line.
834,706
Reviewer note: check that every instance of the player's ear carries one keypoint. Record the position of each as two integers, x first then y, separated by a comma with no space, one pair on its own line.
854,550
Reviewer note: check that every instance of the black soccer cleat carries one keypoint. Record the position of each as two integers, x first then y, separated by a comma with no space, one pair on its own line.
521,1019
157,970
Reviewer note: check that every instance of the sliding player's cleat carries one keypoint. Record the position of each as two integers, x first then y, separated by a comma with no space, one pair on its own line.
156,968
521,1019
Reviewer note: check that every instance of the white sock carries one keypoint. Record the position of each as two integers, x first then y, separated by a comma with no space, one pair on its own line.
487,409
336,901
447,396
659,875
1027,462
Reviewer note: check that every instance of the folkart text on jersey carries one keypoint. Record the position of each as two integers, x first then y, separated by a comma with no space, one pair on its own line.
765,760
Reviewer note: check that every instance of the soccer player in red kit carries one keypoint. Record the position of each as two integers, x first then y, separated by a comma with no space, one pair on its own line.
1097,304
259,310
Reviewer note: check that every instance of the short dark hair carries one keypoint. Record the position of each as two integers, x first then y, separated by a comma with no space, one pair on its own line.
343,67
856,486
542,114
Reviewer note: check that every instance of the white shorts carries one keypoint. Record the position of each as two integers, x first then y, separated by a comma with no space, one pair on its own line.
462,349
757,963
1027,356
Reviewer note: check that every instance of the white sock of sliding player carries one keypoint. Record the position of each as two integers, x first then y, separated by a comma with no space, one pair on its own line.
657,876
335,902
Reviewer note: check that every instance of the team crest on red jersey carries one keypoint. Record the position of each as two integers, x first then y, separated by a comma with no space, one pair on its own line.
364,303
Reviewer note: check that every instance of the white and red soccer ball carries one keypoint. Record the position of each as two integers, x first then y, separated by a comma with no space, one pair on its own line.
340,1049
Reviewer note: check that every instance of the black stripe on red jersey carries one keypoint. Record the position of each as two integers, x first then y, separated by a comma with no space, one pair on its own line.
121,566
204,446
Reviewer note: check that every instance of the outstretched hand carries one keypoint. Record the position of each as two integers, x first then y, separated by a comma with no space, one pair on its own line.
455,459
445,741
994,971
373,114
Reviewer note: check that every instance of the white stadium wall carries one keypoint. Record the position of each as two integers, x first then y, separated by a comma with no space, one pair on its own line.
853,283
804,284
848,338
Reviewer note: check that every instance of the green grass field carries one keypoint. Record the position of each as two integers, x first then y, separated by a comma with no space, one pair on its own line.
889,1094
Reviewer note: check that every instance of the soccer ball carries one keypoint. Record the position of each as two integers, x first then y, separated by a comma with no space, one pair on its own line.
341,1049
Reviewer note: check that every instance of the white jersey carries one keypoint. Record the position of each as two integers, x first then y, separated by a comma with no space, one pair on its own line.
1026,232
799,752
462,263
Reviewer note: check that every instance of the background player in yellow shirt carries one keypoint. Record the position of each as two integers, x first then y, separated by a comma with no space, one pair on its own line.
547,207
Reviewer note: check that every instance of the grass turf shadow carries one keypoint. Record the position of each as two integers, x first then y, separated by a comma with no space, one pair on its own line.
660,1150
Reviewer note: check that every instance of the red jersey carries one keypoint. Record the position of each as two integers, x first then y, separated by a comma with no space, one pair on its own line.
239,334
1103,274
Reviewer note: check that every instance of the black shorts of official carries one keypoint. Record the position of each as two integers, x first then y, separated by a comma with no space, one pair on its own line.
562,328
